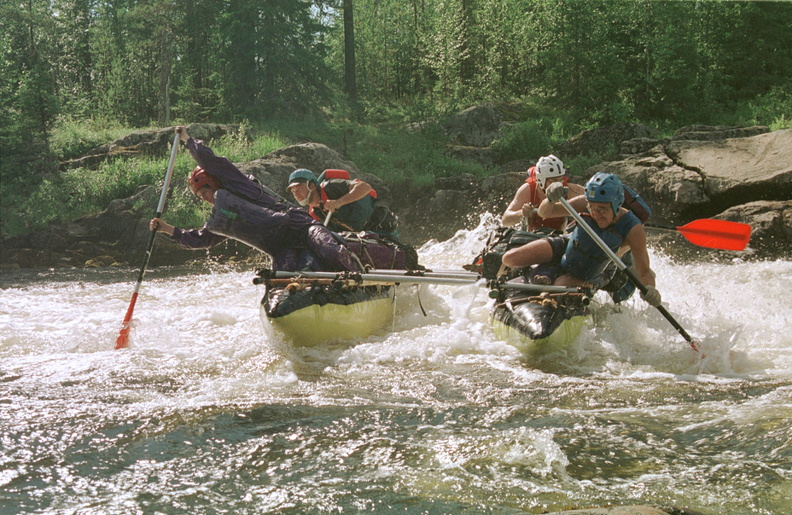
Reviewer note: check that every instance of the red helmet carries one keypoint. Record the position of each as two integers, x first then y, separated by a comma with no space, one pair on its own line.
199,178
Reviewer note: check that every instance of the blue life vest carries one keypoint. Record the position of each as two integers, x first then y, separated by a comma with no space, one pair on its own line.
584,259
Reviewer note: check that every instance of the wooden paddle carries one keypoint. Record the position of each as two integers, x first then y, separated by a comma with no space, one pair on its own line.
711,233
630,274
123,337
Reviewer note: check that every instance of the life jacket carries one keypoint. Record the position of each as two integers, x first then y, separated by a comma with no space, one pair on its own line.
556,223
583,258
635,203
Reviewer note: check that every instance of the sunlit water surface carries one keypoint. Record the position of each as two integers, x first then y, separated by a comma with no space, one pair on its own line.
206,412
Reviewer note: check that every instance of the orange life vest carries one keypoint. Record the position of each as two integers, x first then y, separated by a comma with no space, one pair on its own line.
556,223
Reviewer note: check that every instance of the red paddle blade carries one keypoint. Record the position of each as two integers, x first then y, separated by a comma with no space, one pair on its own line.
717,234
123,338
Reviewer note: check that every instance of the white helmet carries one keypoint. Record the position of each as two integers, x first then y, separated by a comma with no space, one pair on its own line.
548,167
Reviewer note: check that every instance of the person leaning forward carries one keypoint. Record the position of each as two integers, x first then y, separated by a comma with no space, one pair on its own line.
575,258
548,170
243,210
352,203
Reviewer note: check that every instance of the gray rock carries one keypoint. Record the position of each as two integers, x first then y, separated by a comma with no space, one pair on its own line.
476,126
603,140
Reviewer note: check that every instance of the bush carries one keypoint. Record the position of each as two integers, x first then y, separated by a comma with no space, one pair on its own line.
398,156
74,138
526,140
774,109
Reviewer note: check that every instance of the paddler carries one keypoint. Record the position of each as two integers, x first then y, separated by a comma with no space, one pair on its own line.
575,259
246,211
352,202
523,208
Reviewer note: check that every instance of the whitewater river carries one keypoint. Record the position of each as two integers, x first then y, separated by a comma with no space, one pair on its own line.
207,413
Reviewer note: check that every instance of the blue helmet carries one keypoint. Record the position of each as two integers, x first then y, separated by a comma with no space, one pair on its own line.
605,187
301,175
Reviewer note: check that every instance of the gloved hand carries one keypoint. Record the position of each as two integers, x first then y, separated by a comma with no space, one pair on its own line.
652,296
555,192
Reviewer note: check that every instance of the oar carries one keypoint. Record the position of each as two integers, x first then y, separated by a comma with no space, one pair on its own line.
630,274
411,279
123,337
711,233
327,218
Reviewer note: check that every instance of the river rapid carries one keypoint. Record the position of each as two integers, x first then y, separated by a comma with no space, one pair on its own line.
206,412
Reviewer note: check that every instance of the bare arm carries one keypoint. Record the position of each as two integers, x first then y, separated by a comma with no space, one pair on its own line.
517,209
358,190
636,240
575,190
550,210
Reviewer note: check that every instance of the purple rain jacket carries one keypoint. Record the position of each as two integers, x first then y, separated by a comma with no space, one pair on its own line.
244,211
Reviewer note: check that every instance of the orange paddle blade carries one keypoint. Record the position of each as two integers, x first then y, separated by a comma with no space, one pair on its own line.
123,337
717,234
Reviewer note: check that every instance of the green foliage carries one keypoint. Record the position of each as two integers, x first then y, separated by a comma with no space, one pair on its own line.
579,165
773,109
399,156
72,138
183,209
526,140
69,195
238,148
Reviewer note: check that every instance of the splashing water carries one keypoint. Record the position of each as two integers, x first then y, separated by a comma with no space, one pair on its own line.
206,411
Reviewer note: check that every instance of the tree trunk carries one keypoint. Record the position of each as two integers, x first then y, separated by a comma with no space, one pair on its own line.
350,80
166,59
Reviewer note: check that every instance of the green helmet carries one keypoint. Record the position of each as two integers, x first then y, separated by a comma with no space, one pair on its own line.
301,175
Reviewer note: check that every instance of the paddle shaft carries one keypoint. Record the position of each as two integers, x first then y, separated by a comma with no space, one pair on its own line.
411,279
630,274
670,228
462,274
123,337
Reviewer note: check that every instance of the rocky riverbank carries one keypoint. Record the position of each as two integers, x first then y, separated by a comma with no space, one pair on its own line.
737,174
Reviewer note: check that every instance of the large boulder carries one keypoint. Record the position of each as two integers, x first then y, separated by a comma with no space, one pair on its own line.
453,203
603,140
476,126
735,169
642,144
685,179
